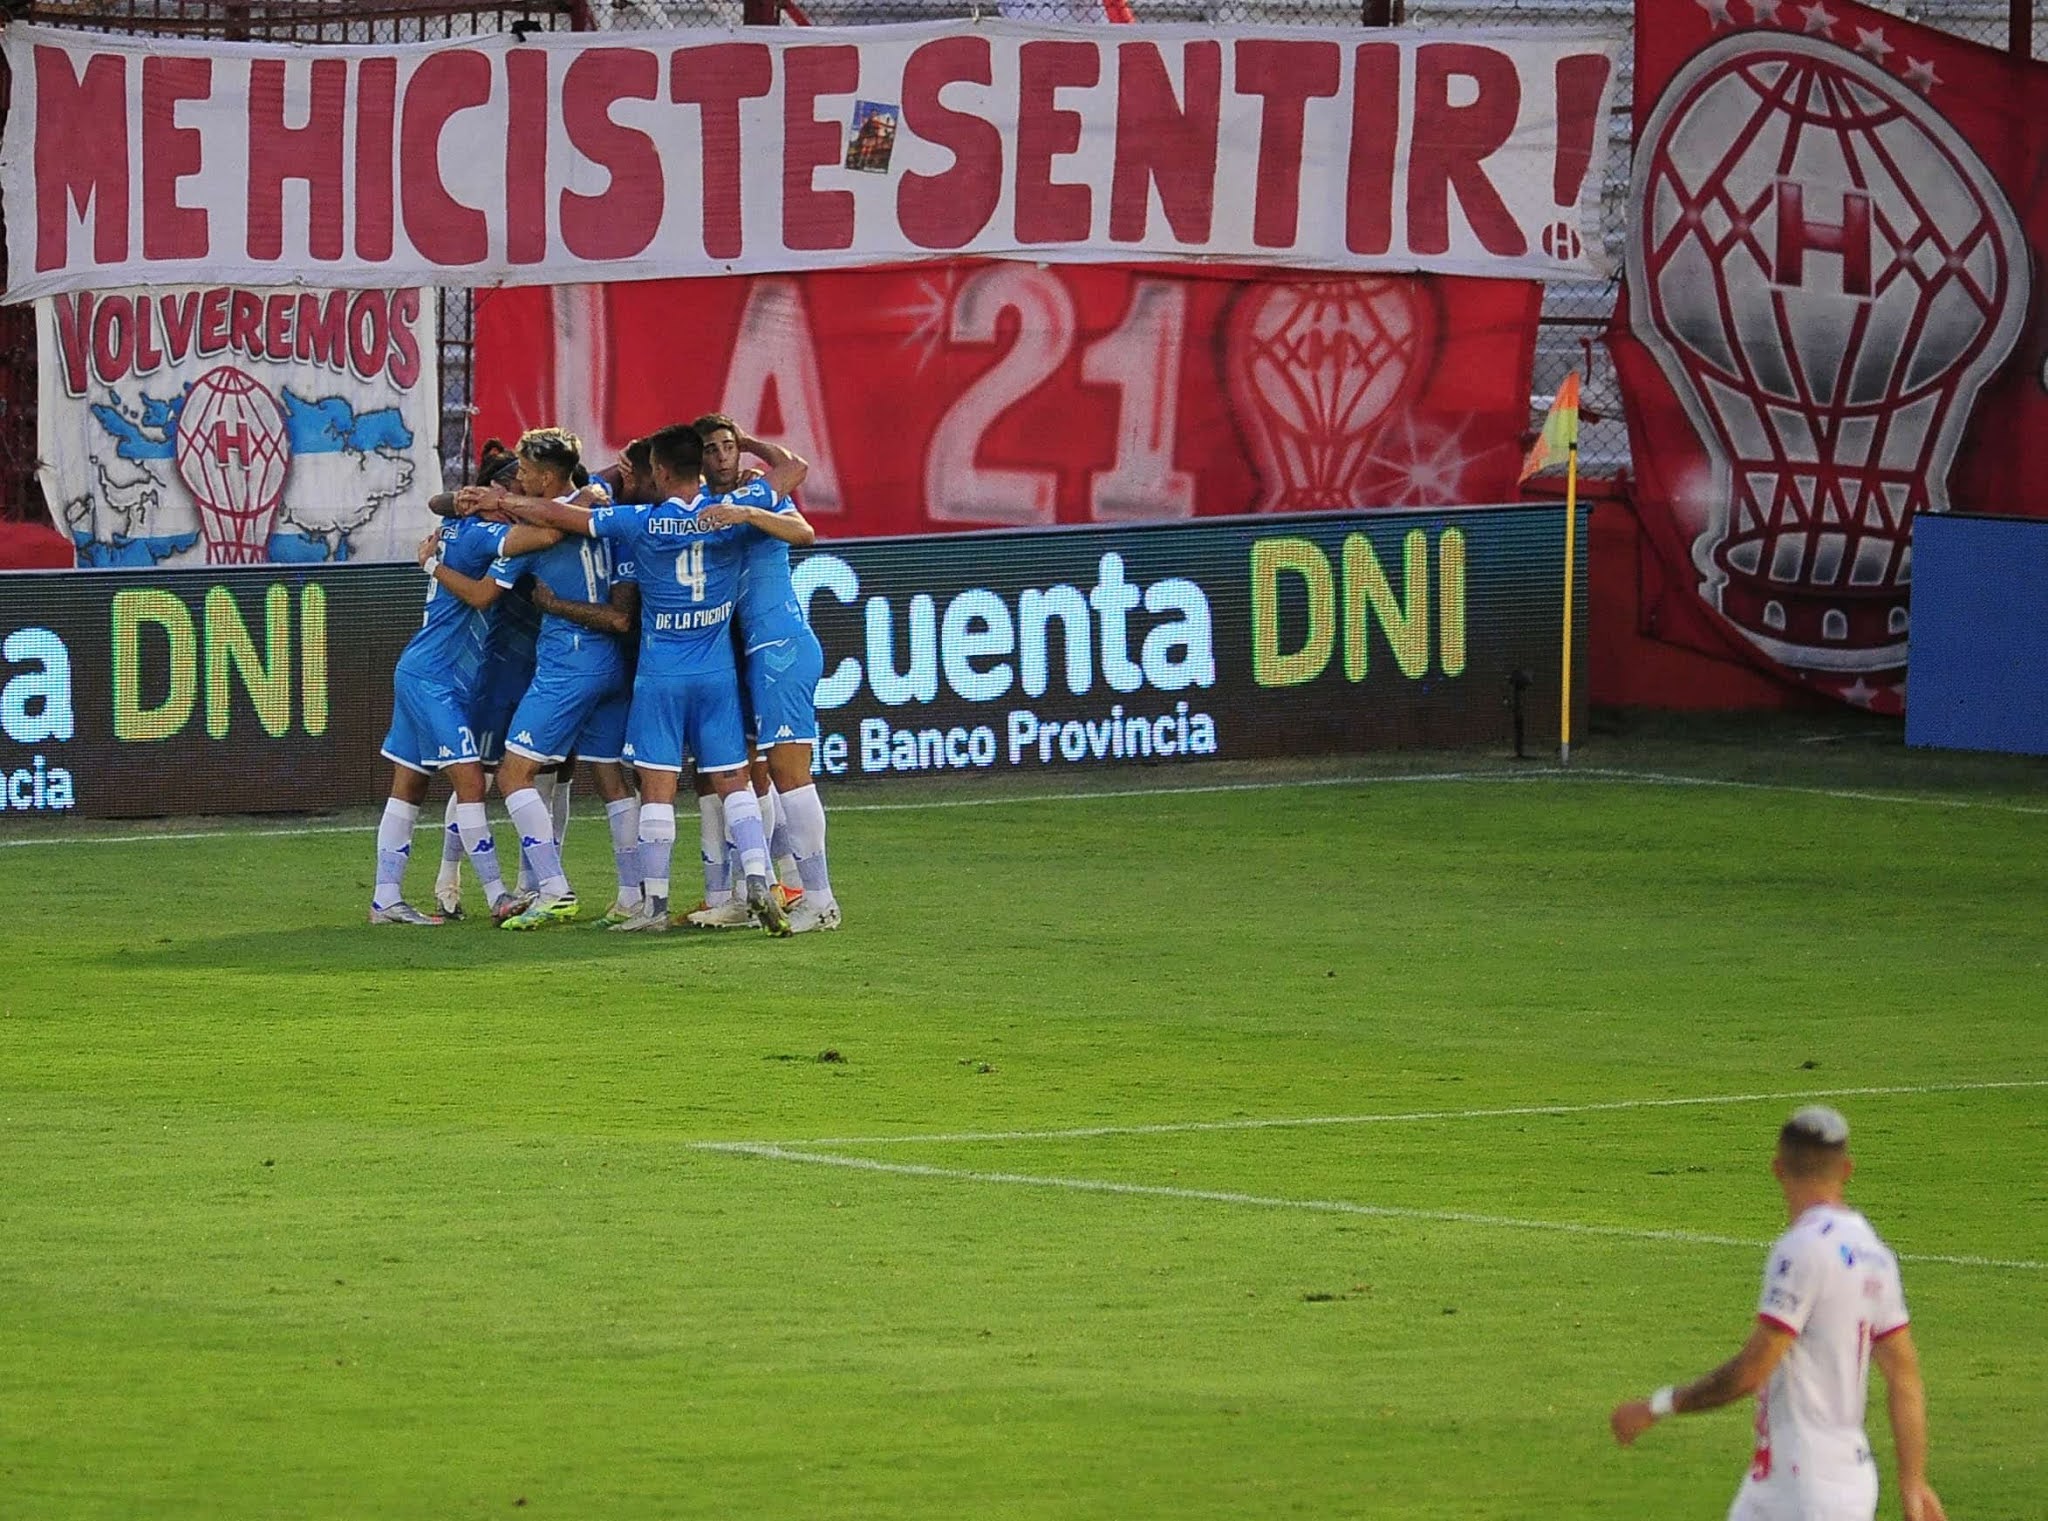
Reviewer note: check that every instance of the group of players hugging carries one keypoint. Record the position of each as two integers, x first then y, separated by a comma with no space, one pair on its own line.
639,618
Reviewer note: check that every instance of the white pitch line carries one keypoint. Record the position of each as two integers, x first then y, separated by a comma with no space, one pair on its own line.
1533,773
142,837
1844,794
1191,1127
1318,1206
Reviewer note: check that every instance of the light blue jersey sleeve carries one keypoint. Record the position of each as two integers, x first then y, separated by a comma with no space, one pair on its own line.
507,571
618,525
474,546
758,493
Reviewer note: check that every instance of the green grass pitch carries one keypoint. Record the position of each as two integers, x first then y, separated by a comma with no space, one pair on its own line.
305,1220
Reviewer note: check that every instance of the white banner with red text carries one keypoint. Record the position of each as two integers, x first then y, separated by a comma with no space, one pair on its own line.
581,157
215,425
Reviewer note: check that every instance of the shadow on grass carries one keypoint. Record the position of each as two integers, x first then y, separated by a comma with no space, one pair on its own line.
457,948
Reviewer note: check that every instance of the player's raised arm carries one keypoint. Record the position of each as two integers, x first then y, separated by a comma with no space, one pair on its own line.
1906,1403
786,470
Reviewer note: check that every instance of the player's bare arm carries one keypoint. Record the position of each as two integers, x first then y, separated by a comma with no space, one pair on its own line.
619,616
525,538
467,589
1906,1403
1743,1374
786,469
545,512
791,527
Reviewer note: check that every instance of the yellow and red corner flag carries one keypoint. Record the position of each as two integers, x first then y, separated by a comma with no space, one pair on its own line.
1560,433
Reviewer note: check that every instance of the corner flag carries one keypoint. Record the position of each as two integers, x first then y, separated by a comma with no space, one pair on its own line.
1559,442
1560,435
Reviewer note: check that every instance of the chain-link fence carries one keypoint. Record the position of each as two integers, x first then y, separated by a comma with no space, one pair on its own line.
1575,312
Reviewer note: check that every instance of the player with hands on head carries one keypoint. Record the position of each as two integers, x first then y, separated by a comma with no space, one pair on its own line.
783,661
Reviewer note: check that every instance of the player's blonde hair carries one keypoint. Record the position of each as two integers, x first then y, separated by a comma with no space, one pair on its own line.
556,448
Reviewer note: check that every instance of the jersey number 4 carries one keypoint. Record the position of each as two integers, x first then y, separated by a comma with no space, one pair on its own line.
690,569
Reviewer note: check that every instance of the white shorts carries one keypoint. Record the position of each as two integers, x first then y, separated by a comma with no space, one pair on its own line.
1841,1494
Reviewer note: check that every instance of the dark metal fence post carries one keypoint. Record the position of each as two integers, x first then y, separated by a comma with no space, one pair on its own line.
761,12
1393,12
2020,27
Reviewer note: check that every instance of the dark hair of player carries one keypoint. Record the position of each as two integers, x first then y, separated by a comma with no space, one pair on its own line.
711,422
635,454
678,449
1806,1153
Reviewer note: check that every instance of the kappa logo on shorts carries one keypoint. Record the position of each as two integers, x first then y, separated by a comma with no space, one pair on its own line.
785,732
523,737
446,753
629,748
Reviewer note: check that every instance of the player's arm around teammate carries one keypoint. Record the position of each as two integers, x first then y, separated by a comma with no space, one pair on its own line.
620,616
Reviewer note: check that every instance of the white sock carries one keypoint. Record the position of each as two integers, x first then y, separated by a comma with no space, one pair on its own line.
805,812
560,804
394,849
657,843
743,823
779,850
475,824
711,843
536,824
449,878
623,817
529,877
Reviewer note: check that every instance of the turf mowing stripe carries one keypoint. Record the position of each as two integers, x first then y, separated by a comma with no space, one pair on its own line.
1534,773
1189,1127
1318,1206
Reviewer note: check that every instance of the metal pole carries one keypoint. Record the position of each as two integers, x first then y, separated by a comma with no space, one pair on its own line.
761,12
2020,27
1394,12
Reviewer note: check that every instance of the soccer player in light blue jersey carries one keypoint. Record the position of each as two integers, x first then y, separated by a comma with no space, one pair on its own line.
782,658
686,690
433,693
576,701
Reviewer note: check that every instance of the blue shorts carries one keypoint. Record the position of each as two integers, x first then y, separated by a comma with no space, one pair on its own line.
499,690
782,690
430,725
567,710
695,714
